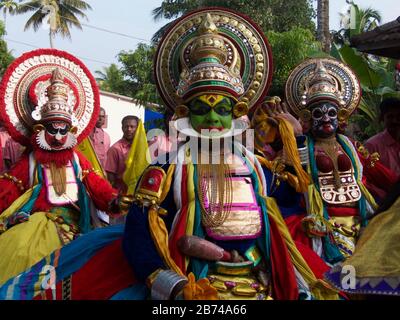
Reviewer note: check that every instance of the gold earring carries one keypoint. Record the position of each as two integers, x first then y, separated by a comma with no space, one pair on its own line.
240,109
305,115
73,130
38,127
181,111
343,115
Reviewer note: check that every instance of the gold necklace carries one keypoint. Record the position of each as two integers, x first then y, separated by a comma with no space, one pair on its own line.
214,181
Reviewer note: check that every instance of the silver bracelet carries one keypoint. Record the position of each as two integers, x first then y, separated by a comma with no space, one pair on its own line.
167,282
304,156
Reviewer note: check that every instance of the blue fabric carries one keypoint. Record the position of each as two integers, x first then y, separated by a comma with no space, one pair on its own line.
288,200
83,202
72,257
28,207
135,292
138,246
363,285
152,119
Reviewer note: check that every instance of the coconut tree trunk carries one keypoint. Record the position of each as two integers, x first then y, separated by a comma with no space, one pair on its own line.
323,34
51,39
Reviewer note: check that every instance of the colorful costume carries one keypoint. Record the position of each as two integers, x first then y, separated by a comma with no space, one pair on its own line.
49,103
323,93
202,225
221,233
374,268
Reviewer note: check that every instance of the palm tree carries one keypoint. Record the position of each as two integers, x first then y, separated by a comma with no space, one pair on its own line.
60,15
355,21
323,34
374,73
111,79
9,7
270,15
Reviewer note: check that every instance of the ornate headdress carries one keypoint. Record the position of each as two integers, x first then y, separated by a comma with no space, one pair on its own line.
324,79
214,65
58,107
47,85
213,50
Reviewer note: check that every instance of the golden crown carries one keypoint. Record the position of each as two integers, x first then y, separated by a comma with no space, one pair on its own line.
321,86
57,107
215,63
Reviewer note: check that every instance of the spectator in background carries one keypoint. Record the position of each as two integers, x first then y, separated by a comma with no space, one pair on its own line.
12,153
4,137
117,154
100,139
387,143
163,143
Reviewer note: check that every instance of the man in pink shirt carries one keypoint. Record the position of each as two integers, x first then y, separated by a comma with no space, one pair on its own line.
4,137
387,143
100,139
12,152
117,154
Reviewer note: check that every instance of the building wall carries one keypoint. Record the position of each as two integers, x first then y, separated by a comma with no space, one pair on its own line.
117,107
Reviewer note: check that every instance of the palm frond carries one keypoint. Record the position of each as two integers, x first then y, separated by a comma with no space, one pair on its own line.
73,10
158,13
160,33
68,14
78,4
35,21
28,7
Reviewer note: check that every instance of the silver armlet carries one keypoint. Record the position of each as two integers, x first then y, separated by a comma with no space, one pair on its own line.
304,156
166,284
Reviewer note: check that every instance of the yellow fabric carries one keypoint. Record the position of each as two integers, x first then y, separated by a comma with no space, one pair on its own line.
137,160
26,244
264,162
319,288
291,179
191,204
290,146
200,290
265,133
168,181
159,234
87,149
377,252
316,205
370,199
18,203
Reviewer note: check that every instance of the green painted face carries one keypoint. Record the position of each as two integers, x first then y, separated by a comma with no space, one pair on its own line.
211,112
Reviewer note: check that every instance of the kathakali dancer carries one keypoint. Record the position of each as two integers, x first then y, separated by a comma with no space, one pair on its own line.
49,103
202,225
323,93
221,236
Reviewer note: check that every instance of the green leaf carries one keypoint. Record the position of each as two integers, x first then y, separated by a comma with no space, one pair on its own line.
359,64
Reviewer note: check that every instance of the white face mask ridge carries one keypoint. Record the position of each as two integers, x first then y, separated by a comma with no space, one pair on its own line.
70,143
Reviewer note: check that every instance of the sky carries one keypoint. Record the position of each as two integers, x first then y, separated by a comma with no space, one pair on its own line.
98,49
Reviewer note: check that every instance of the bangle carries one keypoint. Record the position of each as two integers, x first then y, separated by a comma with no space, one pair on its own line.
304,156
166,283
